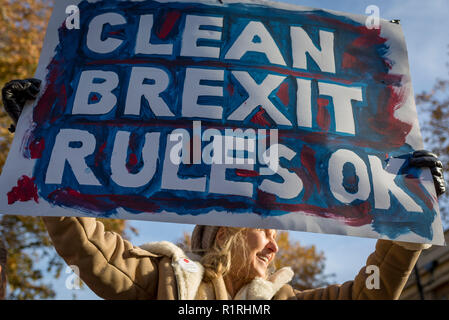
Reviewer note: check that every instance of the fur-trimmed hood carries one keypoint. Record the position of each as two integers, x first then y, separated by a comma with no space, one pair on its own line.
189,274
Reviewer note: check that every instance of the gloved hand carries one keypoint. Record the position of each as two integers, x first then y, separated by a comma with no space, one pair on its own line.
15,93
424,158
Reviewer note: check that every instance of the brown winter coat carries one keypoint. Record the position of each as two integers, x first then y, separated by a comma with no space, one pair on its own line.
115,269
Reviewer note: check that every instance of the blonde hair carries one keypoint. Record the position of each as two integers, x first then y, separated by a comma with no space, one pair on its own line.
217,260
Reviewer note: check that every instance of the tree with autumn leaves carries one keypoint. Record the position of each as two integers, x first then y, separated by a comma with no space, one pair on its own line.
306,262
30,252
434,103
22,30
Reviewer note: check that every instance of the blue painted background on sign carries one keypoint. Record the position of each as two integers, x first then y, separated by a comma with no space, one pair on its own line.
361,60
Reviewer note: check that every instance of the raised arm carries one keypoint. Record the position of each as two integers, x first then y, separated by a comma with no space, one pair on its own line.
111,266
390,261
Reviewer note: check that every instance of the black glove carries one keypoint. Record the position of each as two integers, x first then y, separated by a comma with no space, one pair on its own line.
15,93
424,158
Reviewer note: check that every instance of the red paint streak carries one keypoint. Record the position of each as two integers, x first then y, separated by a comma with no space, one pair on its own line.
115,33
134,141
368,37
246,173
323,117
356,56
308,160
133,144
45,104
389,79
354,216
283,93
388,63
265,199
230,88
219,64
132,161
414,185
25,190
308,75
348,61
337,23
231,203
352,180
101,203
307,182
260,119
385,123
94,98
100,155
170,21
355,60
53,92
350,215
36,148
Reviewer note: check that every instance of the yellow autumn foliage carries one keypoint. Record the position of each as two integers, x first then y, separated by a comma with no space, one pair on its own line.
23,25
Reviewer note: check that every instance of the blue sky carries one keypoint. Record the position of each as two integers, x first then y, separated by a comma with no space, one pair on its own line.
425,26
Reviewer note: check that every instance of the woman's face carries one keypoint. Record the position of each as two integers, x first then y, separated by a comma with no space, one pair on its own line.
261,250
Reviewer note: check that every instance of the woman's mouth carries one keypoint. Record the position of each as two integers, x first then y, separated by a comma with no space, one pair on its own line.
264,258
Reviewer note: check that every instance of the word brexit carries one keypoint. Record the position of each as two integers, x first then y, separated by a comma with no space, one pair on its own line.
203,85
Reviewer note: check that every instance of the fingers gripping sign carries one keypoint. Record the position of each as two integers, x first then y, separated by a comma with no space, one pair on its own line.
15,94
424,158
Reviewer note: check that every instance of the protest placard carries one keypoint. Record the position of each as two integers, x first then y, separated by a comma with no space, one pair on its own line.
248,113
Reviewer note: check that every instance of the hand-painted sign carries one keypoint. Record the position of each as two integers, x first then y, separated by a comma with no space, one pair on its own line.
243,113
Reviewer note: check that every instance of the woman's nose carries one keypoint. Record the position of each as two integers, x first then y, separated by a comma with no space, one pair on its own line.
273,246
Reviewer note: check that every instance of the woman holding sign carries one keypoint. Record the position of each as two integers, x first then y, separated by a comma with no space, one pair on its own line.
225,263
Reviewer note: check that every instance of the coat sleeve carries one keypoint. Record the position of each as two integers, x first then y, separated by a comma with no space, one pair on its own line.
394,264
111,266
